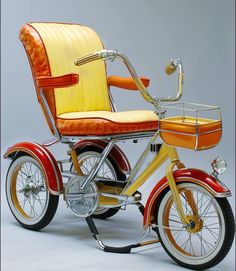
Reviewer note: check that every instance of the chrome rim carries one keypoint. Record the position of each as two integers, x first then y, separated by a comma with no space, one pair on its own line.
27,193
87,160
192,247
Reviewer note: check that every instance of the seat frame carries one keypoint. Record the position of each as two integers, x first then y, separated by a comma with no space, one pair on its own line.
110,139
104,55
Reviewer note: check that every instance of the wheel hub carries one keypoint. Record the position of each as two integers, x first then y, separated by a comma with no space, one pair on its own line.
195,223
31,189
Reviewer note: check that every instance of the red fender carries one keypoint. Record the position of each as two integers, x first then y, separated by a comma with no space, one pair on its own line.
182,175
45,159
116,153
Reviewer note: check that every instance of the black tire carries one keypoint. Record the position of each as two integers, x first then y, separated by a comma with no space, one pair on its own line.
220,252
119,175
31,189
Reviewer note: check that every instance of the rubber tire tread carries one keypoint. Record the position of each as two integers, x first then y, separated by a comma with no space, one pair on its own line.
228,240
51,209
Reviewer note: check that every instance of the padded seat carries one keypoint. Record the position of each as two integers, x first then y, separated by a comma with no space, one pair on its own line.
99,123
78,96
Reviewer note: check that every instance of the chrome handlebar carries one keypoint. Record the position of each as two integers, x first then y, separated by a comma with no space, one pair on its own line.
113,54
103,54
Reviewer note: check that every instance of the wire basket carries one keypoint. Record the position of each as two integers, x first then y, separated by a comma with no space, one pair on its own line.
190,125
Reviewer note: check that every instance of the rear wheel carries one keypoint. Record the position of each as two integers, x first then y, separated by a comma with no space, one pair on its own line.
27,194
87,157
212,234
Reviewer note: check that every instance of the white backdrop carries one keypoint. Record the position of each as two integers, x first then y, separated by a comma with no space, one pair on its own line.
202,33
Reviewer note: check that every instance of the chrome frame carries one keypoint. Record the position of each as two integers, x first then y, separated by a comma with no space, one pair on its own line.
112,55
99,163
50,116
113,106
71,140
157,103
118,137
141,159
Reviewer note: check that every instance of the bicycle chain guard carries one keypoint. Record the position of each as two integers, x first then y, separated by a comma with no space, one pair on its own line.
82,202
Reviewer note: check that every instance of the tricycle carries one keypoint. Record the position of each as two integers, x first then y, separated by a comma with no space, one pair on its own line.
187,209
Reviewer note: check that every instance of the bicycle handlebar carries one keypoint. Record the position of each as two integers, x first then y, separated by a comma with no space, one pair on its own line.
113,54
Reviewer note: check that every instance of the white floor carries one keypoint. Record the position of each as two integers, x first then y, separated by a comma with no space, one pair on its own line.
66,244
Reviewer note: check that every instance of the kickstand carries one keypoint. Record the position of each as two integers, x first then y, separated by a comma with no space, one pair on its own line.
125,249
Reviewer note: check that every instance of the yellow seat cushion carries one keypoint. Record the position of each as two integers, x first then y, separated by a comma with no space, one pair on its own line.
106,123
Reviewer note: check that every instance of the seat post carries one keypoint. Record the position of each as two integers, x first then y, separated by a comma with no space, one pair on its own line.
99,163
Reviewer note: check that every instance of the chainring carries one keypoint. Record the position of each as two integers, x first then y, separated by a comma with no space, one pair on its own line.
82,202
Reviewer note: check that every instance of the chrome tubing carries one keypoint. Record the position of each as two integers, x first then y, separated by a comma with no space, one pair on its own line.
103,54
98,164
144,92
113,54
51,119
171,68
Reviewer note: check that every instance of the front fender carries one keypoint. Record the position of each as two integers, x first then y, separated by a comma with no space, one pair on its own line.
182,175
44,158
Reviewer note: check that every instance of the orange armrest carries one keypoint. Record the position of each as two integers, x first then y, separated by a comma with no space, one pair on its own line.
58,81
126,83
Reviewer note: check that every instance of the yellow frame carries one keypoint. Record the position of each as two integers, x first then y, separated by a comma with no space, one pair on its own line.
164,153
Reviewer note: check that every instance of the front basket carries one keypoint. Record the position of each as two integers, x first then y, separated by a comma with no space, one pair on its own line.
189,127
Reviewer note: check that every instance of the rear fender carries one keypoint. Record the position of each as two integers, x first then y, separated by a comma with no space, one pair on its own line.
44,158
116,153
190,175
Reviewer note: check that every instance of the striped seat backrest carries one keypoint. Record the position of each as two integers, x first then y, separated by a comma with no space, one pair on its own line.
52,49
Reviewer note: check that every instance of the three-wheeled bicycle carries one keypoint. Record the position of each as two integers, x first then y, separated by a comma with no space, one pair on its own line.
187,208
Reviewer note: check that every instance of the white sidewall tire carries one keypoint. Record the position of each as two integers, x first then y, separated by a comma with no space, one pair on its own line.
23,220
185,259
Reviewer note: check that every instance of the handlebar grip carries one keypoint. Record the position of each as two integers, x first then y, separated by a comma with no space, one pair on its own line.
170,68
103,54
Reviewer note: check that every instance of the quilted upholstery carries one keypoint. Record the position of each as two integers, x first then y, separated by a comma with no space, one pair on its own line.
39,64
84,108
106,123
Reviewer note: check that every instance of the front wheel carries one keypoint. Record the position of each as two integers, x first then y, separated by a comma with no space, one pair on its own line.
27,194
211,237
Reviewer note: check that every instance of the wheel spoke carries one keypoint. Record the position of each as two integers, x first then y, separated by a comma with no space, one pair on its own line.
207,207
209,245
177,233
28,180
185,243
40,201
191,245
172,220
83,167
199,242
214,234
187,210
202,245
